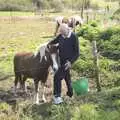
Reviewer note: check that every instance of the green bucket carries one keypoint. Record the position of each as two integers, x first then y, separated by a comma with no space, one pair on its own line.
80,86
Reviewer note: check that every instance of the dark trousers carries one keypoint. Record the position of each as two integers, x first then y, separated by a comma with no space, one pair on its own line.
62,74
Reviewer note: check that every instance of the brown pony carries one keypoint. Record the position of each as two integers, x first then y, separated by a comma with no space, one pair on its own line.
36,66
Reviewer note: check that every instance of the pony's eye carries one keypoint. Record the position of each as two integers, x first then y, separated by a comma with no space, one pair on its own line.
49,46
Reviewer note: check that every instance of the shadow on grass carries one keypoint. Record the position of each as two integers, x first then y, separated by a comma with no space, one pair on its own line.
4,76
8,97
11,98
48,111
36,112
41,110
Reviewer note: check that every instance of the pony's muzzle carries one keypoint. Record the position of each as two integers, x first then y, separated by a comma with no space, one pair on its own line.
55,70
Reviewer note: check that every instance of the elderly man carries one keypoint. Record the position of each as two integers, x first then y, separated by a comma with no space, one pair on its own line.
69,52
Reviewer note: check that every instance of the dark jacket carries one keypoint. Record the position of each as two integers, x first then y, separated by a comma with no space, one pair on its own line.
68,48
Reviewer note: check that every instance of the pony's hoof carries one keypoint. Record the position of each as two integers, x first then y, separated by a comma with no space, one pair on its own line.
45,101
37,102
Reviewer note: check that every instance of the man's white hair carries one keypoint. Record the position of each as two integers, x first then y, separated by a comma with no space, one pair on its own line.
64,29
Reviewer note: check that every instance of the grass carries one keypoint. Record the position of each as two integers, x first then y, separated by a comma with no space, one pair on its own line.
45,13
22,36
15,13
18,35
93,106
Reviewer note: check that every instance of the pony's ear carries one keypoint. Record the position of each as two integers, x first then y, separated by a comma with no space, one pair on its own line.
52,42
56,45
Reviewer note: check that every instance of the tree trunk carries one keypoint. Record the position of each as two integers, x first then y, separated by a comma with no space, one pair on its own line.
87,8
82,10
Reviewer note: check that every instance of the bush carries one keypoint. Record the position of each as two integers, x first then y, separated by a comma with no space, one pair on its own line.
108,41
109,44
84,67
89,31
106,34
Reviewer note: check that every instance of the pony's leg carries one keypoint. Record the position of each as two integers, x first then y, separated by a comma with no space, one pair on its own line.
20,83
16,83
17,79
23,84
36,83
43,92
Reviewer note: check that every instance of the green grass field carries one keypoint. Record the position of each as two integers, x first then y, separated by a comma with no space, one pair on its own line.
46,13
18,35
14,13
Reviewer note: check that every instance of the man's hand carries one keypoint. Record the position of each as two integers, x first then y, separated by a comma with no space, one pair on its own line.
67,65
70,93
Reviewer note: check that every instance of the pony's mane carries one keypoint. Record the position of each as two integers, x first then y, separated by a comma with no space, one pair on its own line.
41,50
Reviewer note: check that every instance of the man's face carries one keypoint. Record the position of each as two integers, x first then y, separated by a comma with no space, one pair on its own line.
64,30
65,33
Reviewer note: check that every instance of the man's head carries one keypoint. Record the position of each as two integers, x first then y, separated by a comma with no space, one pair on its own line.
64,30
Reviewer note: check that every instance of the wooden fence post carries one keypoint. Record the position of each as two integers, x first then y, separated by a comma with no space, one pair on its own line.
96,64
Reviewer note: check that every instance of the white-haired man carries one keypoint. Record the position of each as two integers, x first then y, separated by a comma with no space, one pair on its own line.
69,52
